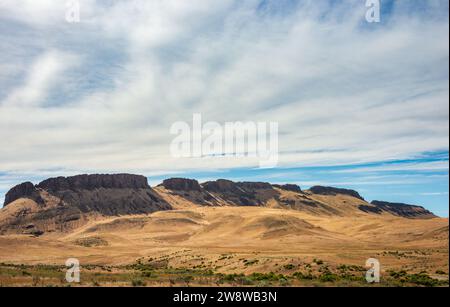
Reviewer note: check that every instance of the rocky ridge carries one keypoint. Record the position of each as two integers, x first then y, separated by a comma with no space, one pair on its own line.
62,203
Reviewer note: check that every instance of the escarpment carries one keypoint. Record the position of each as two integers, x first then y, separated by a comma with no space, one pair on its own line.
403,210
65,203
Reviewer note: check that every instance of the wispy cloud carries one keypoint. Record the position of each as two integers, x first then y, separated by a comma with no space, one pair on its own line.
434,193
45,74
423,166
102,94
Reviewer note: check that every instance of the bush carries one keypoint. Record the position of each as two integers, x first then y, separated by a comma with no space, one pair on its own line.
423,280
250,262
284,282
138,283
267,277
318,261
239,279
289,266
147,274
398,275
301,276
328,277
187,279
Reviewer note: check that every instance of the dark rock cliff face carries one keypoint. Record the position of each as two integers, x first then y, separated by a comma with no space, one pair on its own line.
403,210
241,193
66,203
334,191
91,182
224,186
250,186
23,190
220,185
182,184
120,194
113,202
289,187
221,191
214,193
370,209
68,200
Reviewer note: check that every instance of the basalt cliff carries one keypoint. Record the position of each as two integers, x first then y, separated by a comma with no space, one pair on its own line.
66,203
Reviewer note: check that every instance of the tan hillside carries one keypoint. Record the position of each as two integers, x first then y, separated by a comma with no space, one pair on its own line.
284,227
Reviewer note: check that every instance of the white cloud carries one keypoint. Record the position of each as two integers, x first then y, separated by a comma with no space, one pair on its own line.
32,12
43,76
434,194
410,166
342,92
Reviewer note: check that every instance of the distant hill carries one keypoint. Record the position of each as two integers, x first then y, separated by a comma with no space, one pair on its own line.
65,203
217,226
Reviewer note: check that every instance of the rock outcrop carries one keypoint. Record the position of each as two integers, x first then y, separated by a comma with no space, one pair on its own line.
220,186
403,210
289,187
120,194
69,200
320,190
252,186
241,193
370,209
23,190
220,192
181,184
91,182
224,186
65,203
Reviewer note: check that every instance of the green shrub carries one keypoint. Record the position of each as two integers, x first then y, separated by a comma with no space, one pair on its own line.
250,262
398,275
187,279
289,266
423,280
138,283
302,276
267,276
328,277
147,274
318,261
230,277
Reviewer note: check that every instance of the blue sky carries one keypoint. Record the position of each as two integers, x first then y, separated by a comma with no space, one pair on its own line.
359,105
422,180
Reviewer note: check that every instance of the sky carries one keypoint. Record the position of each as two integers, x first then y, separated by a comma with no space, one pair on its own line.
359,105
